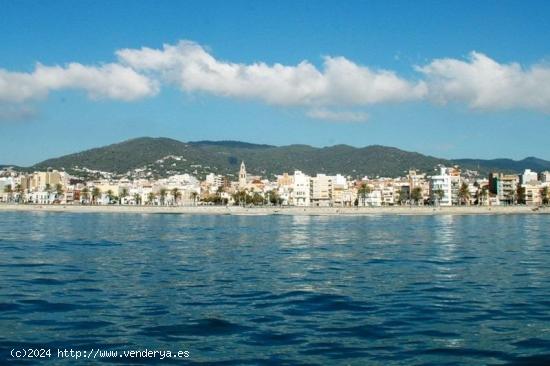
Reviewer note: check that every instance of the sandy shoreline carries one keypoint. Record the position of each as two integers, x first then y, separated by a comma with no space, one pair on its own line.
308,211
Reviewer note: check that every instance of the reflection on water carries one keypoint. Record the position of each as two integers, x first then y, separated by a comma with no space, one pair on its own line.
290,290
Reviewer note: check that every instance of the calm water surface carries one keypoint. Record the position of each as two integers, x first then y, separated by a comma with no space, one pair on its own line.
401,290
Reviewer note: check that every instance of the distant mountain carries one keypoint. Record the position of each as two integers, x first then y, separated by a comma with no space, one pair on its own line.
517,166
164,156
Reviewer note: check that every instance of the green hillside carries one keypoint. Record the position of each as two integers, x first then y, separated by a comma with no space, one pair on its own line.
164,156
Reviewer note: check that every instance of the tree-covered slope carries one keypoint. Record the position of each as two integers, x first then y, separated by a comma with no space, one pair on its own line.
164,156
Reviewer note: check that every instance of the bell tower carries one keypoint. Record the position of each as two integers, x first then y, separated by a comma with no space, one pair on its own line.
242,176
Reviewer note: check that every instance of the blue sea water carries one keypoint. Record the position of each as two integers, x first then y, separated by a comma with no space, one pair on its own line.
278,290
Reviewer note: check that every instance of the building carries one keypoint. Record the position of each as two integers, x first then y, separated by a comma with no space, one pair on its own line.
532,193
300,195
504,187
529,176
441,190
321,191
242,177
40,181
341,194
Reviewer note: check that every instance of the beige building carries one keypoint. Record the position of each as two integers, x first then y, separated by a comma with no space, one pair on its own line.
321,190
532,193
38,181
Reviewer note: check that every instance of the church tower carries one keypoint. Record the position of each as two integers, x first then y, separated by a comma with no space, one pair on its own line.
242,176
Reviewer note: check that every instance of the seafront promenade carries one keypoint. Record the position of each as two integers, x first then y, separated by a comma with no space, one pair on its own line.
292,210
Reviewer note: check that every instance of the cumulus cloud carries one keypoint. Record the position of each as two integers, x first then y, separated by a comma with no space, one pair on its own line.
339,82
112,81
331,91
337,116
483,83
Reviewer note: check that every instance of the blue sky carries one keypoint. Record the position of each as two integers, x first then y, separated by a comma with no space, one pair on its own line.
395,73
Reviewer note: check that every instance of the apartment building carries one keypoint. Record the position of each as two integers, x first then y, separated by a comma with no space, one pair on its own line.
321,191
300,195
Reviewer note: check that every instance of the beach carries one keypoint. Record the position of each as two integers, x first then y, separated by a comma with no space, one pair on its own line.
292,210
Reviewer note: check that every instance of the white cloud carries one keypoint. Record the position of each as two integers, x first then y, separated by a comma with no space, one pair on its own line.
329,92
340,82
112,81
337,116
483,83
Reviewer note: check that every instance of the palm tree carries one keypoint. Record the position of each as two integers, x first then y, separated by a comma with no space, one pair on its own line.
59,190
439,194
84,193
484,194
363,191
9,190
416,194
162,194
544,195
96,192
464,194
48,188
110,195
194,195
176,194
150,198
19,189
123,193
520,195
402,196
137,198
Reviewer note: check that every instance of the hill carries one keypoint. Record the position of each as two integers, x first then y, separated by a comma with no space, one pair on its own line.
164,156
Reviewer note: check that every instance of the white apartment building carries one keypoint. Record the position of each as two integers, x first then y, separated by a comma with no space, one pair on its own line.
441,183
214,180
372,199
529,176
300,195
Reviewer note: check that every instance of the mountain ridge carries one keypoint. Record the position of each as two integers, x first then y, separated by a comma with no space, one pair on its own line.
163,156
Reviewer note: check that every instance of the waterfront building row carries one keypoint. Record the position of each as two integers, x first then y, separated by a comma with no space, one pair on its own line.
450,186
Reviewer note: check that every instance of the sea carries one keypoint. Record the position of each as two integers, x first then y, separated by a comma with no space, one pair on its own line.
274,290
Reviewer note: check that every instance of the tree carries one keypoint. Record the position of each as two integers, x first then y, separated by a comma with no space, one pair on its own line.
439,194
194,196
19,189
59,190
48,188
544,195
464,194
176,194
484,195
137,198
9,190
111,196
123,194
150,198
363,191
242,198
274,197
96,193
402,197
257,199
416,195
162,193
84,193
520,195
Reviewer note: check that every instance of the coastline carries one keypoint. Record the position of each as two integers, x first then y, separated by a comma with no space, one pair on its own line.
298,211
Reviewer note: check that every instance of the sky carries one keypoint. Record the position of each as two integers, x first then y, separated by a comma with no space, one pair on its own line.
452,79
